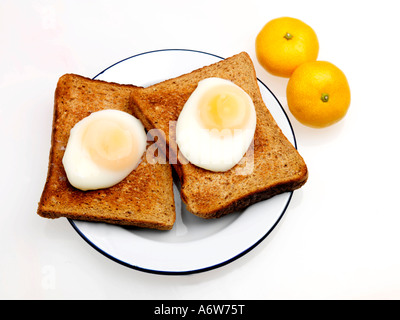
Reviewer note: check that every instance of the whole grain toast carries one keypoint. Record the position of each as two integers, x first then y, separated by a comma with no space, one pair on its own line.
271,166
143,199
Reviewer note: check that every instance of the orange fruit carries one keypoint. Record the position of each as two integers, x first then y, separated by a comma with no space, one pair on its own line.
318,94
285,43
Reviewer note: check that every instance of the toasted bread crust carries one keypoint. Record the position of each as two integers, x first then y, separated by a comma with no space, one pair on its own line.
277,167
144,199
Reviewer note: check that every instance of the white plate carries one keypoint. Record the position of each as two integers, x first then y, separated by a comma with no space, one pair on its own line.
193,245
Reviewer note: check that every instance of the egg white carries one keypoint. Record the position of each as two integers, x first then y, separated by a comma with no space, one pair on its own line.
213,150
85,174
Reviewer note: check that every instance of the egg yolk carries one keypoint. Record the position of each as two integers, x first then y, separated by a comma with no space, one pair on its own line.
224,107
110,145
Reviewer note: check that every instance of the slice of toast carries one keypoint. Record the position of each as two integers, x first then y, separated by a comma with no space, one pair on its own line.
144,199
271,166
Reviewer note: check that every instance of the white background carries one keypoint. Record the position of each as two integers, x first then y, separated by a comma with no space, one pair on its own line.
340,236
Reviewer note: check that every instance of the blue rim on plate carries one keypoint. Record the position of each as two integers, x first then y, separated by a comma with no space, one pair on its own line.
203,269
